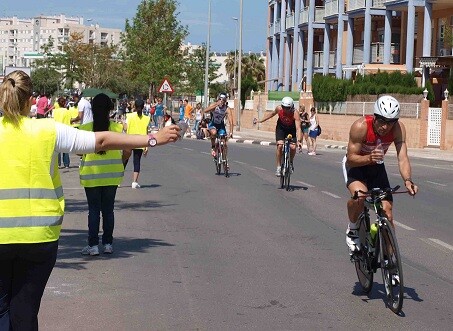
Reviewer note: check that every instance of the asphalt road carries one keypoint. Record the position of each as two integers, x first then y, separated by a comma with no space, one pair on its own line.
197,251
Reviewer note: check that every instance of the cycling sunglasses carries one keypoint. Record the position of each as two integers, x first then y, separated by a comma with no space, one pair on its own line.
383,120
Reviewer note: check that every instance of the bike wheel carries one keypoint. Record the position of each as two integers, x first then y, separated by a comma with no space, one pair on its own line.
287,174
391,267
363,261
217,160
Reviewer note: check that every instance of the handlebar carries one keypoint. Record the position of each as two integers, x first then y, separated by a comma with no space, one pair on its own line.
377,193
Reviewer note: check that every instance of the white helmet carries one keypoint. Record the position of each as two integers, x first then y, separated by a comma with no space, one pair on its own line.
387,107
288,102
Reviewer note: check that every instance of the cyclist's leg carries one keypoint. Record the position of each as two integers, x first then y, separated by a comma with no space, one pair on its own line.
381,180
213,132
279,138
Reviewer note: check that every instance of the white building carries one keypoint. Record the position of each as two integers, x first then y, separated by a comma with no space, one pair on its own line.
21,39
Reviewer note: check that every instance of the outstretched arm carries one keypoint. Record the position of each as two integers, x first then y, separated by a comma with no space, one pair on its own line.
268,116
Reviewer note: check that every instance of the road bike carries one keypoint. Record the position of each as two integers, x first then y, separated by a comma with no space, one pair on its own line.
286,169
220,155
378,248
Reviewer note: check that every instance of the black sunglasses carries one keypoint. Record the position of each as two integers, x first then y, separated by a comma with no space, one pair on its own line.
383,120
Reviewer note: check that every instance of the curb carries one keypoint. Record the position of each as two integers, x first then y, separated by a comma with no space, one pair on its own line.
336,147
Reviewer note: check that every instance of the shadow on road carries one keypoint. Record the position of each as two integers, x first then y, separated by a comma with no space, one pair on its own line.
73,205
72,241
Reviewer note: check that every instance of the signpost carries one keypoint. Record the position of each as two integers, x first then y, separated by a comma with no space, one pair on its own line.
166,88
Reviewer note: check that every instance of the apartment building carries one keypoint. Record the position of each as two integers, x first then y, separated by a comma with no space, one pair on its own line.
21,39
340,37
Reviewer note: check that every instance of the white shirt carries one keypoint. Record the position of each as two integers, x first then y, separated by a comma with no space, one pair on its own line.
85,106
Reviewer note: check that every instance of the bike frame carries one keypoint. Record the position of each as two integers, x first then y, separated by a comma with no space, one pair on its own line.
221,158
285,166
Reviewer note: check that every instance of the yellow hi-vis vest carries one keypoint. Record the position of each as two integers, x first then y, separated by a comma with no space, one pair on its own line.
101,169
31,196
136,124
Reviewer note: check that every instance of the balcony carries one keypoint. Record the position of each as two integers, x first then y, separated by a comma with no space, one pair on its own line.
277,27
319,14
331,8
303,18
377,53
289,21
318,59
361,4
270,31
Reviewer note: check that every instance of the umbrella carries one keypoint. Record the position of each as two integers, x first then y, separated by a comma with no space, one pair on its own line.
92,92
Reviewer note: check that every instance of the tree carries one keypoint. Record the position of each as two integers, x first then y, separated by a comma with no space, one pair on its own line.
45,80
230,64
151,44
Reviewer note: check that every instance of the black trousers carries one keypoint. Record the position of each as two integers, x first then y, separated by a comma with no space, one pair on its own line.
24,272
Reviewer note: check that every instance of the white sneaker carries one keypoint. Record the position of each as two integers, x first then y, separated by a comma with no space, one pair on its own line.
108,249
135,185
352,240
278,172
395,280
90,250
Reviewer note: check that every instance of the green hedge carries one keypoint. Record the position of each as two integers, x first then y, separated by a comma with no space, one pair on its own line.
278,95
331,89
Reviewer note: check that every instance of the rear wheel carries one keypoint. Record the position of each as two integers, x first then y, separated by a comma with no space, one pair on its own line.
362,261
391,267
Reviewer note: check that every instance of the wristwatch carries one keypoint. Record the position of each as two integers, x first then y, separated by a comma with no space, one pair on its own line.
152,140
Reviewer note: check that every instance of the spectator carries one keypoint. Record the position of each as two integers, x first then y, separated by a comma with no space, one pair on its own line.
313,130
42,106
204,128
30,231
159,113
100,175
188,113
85,114
181,111
136,123
198,116
61,114
304,125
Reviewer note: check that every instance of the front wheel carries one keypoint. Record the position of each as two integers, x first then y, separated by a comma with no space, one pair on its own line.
362,260
391,267
287,174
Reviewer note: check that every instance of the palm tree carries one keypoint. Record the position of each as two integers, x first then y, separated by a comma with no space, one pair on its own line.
253,66
229,67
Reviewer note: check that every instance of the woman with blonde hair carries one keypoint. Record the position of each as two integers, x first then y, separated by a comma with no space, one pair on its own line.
31,195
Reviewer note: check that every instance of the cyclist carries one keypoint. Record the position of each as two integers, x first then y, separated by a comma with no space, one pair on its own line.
219,110
363,168
288,123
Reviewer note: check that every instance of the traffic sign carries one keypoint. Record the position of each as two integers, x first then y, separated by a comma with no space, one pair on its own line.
165,87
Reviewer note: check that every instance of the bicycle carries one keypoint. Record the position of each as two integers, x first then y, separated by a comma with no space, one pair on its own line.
285,175
379,248
220,155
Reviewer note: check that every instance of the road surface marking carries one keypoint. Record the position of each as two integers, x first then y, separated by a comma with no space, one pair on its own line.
331,194
260,168
265,143
441,243
248,141
205,153
243,163
188,149
428,181
393,174
401,225
306,184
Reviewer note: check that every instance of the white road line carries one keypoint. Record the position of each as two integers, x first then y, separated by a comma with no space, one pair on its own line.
428,181
441,243
393,174
205,153
331,194
248,142
188,149
260,168
243,163
401,225
306,184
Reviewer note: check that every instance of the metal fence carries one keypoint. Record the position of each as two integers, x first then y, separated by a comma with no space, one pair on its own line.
408,110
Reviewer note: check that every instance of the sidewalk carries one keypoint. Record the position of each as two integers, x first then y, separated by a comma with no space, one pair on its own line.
260,137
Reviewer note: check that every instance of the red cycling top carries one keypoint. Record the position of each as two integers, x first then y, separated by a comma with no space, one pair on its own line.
370,142
286,118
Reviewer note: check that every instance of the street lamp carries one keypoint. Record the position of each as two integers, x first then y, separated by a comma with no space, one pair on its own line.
240,66
235,51
446,92
206,69
425,94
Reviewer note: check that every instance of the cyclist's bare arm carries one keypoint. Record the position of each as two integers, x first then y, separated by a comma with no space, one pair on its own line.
399,133
269,115
357,134
212,106
298,129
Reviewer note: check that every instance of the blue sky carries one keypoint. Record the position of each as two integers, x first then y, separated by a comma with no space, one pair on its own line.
193,13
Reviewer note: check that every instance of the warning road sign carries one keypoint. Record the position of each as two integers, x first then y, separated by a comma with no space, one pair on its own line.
165,87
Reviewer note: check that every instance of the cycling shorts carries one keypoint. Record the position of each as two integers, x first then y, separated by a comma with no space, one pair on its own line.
373,175
218,127
281,132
